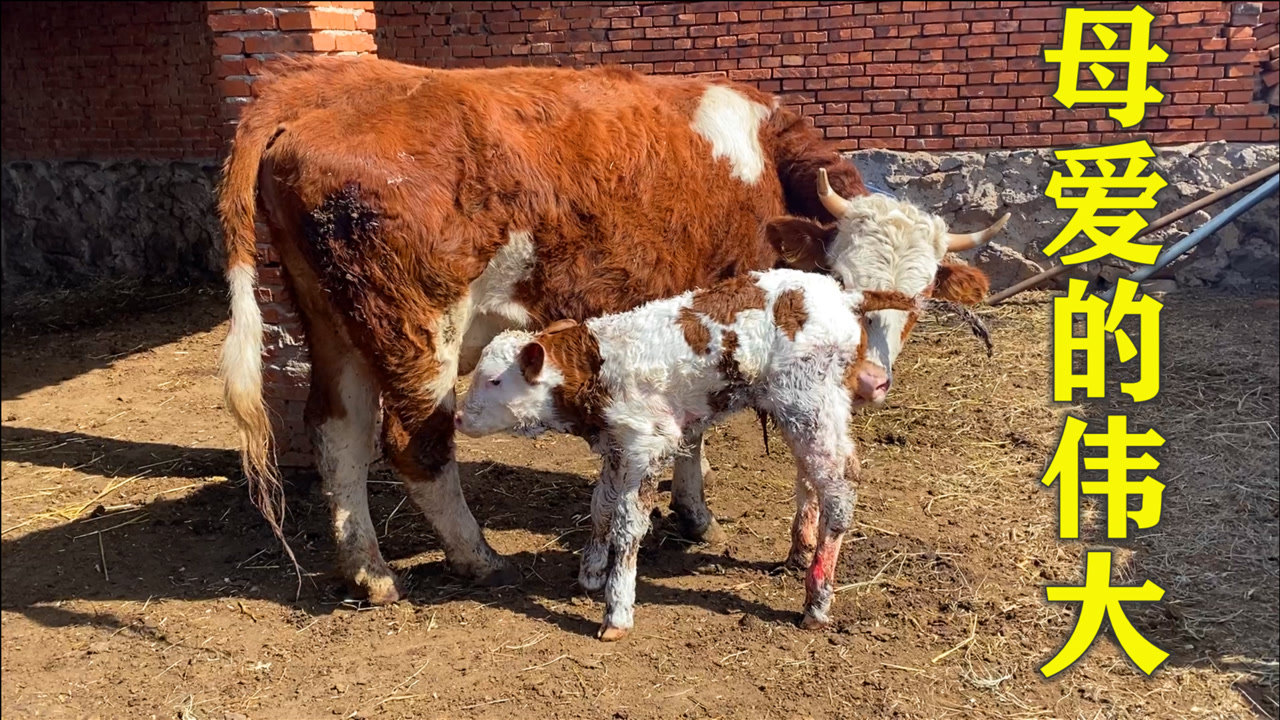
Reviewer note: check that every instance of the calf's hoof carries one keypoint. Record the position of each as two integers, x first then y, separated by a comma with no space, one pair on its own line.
814,620
608,633
591,581
799,560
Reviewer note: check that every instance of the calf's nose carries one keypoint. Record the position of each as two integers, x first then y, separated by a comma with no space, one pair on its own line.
457,419
873,384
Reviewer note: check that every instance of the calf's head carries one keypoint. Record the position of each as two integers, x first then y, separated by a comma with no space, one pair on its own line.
512,388
879,243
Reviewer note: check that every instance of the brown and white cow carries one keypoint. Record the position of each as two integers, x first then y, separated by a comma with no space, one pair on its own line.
420,212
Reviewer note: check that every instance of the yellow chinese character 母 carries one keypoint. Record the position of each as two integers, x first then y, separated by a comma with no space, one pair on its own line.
1064,468
1099,319
1106,192
1136,94
1098,600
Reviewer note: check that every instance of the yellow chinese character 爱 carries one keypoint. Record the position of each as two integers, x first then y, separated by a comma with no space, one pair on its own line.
1099,319
1098,600
1136,94
1106,192
1064,468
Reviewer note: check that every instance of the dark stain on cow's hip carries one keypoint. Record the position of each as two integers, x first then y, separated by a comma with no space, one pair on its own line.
343,218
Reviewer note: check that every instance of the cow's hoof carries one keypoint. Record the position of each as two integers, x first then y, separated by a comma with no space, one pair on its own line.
377,589
503,575
814,621
708,532
608,633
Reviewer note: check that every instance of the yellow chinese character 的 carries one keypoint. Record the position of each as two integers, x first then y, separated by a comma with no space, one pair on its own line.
1099,319
1136,94
1064,467
1105,192
1100,600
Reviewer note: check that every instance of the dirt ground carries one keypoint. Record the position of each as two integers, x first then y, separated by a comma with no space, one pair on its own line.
138,581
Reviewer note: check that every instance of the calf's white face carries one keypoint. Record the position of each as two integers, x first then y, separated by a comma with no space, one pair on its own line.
511,388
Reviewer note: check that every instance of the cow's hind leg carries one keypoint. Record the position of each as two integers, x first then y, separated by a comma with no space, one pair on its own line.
423,453
341,417
688,494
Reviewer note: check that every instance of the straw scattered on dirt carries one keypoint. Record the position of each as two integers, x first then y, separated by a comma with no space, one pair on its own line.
139,581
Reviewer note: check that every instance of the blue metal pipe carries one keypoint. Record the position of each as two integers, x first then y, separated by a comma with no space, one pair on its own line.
1172,252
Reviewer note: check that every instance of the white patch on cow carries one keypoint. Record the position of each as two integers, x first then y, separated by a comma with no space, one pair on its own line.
493,305
450,330
731,123
887,244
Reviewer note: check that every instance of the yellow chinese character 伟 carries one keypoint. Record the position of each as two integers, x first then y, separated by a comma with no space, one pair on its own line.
1136,94
1100,600
1099,319
1106,192
1064,468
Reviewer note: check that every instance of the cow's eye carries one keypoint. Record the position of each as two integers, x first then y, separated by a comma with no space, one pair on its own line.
496,381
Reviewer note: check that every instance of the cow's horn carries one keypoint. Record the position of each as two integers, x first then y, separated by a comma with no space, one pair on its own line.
834,204
957,242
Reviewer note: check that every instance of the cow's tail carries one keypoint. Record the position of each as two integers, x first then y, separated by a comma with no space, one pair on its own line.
241,362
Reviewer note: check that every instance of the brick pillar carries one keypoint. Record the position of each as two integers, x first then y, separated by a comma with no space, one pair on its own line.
245,35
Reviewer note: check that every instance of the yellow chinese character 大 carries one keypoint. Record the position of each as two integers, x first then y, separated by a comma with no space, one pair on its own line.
1099,319
1106,192
1100,600
1136,94
1064,468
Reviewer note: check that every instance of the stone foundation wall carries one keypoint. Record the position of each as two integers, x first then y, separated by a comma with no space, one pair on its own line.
968,189
73,223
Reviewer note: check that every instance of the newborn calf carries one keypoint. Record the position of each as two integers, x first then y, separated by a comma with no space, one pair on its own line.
635,385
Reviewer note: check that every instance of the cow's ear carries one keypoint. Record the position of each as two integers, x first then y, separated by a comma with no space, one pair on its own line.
530,360
960,284
800,242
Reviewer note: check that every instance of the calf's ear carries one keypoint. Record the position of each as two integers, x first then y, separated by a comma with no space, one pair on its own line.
960,284
530,360
801,242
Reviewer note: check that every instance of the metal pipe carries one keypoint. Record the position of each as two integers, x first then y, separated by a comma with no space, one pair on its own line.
1166,220
1215,223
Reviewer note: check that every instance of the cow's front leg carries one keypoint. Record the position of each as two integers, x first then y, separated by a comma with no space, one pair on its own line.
688,494
837,497
594,565
424,456
636,493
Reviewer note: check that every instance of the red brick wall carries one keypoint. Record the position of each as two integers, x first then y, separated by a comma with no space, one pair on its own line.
87,80
903,75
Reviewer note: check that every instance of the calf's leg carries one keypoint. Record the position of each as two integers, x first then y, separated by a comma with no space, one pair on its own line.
688,496
837,497
804,528
595,555
636,493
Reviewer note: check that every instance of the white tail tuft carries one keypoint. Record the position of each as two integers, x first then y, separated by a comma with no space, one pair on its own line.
241,371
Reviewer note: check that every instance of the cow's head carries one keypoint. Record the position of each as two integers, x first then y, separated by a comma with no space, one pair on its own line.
879,243
511,389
